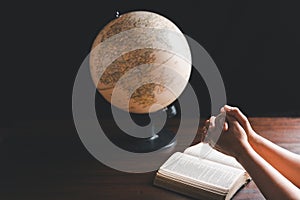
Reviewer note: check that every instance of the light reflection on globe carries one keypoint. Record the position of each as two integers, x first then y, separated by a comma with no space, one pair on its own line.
162,74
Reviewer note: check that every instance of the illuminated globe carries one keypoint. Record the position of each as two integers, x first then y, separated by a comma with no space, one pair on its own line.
140,62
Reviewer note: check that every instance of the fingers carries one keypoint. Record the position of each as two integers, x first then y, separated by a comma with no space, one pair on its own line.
204,133
225,126
237,114
219,120
212,121
215,122
216,126
231,120
205,129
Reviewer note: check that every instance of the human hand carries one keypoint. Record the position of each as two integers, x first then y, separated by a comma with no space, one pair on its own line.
236,113
225,134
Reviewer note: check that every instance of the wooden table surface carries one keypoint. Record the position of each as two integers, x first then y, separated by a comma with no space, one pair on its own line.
46,160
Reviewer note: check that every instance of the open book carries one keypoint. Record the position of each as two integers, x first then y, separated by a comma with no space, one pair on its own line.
202,173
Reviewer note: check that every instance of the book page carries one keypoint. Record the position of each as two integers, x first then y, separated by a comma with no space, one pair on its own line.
204,151
204,173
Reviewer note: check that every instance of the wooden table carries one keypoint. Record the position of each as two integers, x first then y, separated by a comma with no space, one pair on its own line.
46,160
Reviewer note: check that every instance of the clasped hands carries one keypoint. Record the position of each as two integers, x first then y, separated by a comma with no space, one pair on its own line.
228,132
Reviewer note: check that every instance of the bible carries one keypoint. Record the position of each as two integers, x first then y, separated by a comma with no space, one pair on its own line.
202,172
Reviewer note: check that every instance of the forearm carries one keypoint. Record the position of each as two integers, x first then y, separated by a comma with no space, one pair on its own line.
272,184
286,162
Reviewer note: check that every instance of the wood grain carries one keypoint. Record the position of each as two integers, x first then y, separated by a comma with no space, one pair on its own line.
46,160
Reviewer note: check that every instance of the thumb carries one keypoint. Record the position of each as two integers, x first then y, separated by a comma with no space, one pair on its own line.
231,120
220,120
225,126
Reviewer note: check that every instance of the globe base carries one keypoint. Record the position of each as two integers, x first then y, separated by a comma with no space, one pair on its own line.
165,138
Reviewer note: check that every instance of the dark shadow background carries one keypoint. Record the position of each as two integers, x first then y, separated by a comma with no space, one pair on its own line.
255,45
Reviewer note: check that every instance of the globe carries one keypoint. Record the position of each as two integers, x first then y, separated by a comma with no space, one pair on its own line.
140,62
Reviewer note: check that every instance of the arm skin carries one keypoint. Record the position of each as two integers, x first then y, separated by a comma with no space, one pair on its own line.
271,183
286,162
240,141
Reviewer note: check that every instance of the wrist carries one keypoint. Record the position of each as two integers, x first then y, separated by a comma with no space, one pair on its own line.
252,137
243,152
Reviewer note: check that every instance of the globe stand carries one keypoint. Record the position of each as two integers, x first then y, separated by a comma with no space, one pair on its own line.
163,139
157,141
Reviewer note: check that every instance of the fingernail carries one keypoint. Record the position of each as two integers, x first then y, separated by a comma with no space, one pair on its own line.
228,108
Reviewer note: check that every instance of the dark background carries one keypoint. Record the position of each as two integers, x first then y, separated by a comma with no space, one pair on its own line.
255,45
